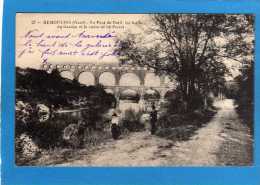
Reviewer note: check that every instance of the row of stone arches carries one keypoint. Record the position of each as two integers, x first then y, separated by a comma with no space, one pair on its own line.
109,79
147,94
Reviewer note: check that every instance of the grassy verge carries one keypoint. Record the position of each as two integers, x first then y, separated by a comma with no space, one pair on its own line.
180,127
59,155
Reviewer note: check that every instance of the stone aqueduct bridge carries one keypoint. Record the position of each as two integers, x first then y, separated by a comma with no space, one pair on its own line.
146,79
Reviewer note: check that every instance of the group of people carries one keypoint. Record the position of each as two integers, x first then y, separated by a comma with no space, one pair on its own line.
115,129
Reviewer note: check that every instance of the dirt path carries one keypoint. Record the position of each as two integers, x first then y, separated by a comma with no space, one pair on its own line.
205,148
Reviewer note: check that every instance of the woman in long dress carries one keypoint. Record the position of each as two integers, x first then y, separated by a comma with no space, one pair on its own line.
115,129
153,119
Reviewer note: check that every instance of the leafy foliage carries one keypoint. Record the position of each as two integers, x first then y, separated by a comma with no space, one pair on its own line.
131,120
34,87
191,48
245,96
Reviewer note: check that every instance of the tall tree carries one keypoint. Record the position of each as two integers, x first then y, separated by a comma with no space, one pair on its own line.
191,48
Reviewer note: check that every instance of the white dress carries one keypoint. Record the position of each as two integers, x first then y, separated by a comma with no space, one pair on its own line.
115,120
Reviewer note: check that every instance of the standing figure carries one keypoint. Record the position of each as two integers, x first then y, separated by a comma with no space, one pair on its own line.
153,118
81,132
115,130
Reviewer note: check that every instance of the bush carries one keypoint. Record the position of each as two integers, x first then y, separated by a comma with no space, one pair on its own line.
25,149
39,94
176,103
95,137
131,121
179,133
76,135
169,121
182,126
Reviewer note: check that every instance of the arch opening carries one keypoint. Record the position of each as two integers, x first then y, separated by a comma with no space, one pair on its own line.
67,75
152,80
171,83
151,94
129,79
109,91
107,79
129,94
87,78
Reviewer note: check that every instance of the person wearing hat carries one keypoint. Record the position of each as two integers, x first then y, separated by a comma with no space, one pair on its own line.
115,130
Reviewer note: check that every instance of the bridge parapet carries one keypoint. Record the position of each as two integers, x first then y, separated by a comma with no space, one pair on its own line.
78,68
97,70
93,67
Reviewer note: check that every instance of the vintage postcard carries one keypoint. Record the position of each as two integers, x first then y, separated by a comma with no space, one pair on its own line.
134,89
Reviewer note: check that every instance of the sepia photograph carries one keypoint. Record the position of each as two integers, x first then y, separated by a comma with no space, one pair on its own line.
134,90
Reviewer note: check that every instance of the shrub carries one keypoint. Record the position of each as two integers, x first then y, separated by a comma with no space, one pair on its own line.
25,149
182,126
170,120
95,137
196,118
131,120
245,97
38,94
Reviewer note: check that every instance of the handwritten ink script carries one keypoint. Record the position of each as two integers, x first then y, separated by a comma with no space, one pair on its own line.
80,43
69,37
